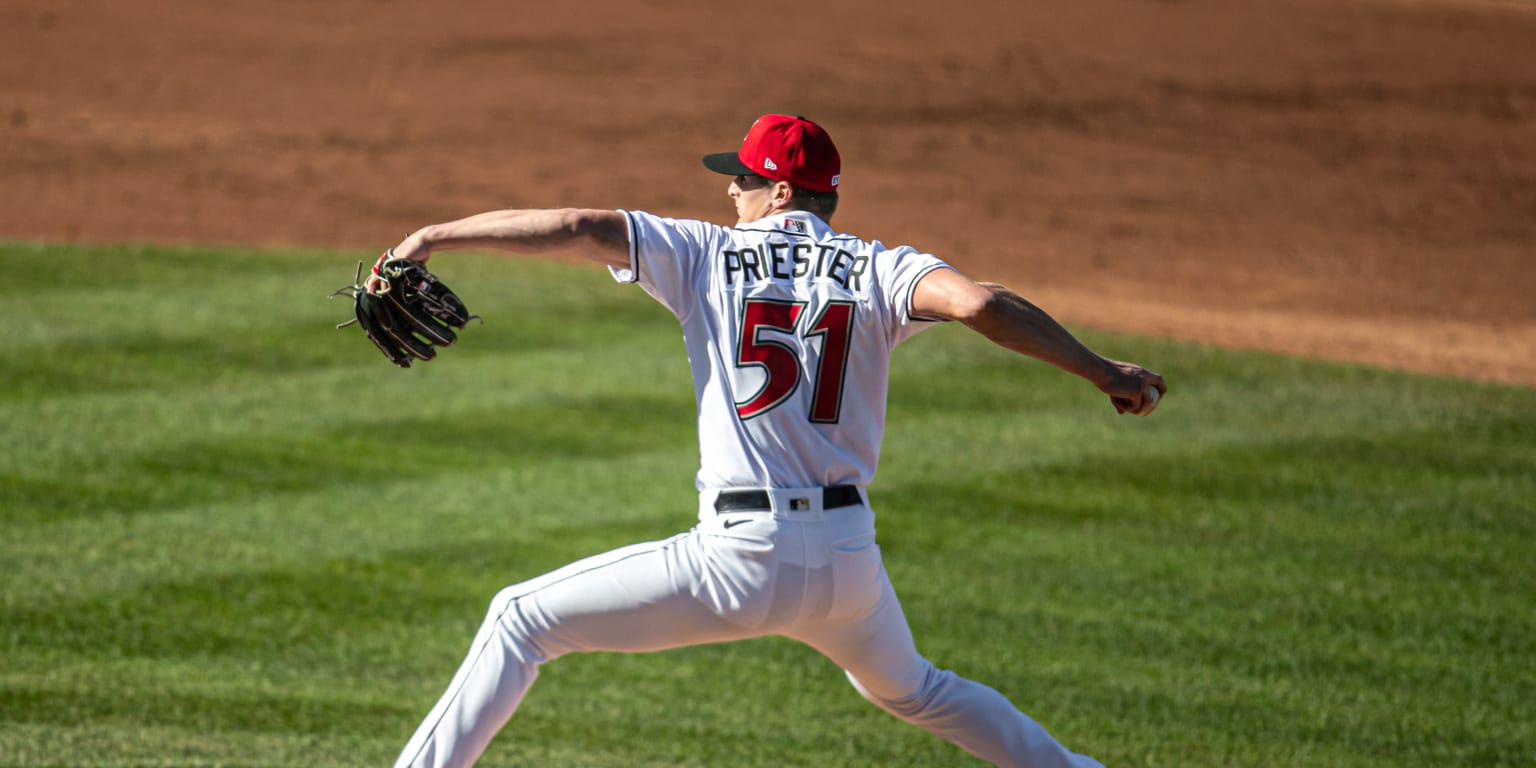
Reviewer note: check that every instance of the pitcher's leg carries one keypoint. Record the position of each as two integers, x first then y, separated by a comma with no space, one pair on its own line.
883,664
478,702
637,598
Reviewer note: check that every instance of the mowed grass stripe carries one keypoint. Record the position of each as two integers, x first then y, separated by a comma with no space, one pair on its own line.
359,519
223,405
1293,563
190,467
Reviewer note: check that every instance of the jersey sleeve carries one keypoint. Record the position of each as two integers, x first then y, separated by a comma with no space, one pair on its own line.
900,269
666,257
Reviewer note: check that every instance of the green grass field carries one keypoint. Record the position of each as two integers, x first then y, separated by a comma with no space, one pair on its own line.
234,535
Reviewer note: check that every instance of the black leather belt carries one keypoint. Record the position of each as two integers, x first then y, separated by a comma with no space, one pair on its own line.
831,498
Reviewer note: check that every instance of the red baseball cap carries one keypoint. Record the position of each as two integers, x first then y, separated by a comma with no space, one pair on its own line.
783,148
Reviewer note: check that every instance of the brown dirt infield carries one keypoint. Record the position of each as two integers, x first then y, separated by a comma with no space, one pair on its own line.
1348,179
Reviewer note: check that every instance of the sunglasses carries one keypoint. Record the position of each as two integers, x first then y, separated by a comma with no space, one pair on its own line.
751,181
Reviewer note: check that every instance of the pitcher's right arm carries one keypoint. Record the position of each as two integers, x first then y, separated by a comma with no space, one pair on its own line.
1008,319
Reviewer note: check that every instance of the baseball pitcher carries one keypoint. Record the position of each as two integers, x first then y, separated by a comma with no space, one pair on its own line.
789,327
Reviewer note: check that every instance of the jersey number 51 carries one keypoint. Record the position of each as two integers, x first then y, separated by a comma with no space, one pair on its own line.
782,363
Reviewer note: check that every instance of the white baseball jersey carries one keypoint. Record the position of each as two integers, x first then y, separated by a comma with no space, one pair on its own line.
789,327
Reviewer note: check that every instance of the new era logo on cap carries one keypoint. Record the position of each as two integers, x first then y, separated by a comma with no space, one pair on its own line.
784,148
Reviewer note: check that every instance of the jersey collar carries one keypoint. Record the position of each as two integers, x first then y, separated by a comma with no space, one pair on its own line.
791,223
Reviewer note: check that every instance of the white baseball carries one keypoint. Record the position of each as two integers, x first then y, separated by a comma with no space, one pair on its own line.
1149,400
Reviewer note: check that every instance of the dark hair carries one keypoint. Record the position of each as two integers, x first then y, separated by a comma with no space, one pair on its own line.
823,204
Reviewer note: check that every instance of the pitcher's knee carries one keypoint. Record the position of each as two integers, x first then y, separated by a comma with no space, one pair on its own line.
908,702
501,601
508,618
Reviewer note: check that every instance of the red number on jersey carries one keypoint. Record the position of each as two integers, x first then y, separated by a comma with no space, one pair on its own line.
781,363
835,327
780,366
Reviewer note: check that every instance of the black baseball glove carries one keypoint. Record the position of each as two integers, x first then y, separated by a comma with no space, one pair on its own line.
413,315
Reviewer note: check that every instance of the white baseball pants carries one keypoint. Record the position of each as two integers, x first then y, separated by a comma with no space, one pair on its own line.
811,575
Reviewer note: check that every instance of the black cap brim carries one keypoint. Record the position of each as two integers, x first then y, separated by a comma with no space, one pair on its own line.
727,163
